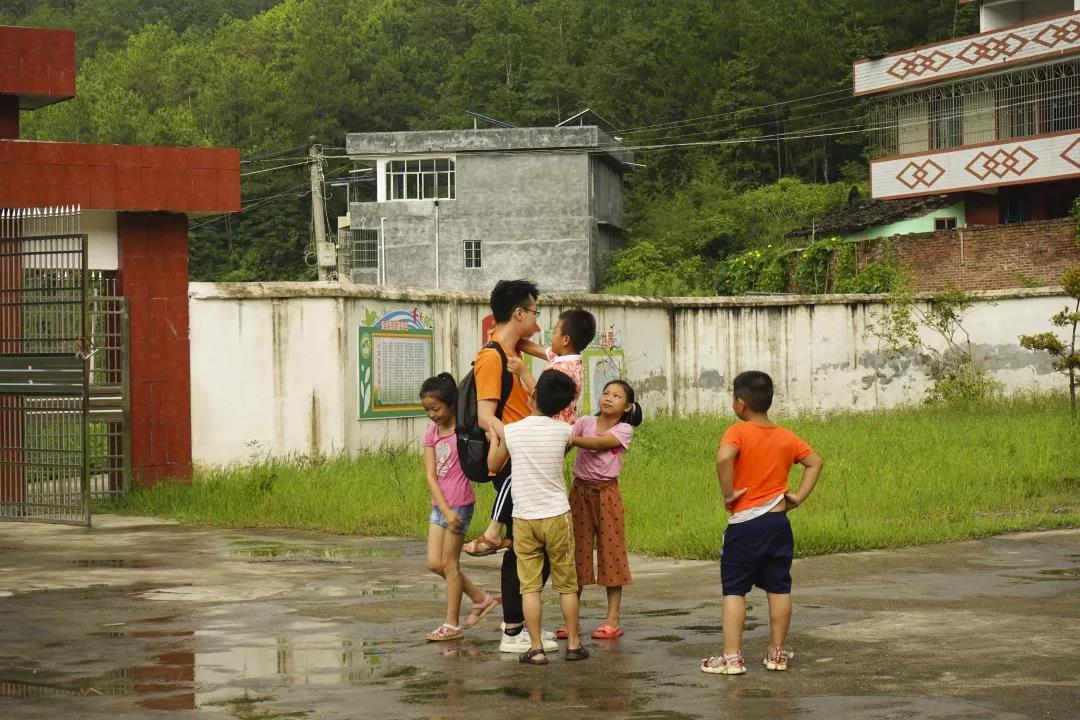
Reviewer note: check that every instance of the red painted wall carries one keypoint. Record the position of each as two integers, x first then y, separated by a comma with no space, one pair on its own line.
37,64
119,177
154,278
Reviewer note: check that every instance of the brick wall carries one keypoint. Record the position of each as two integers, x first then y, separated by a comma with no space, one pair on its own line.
986,258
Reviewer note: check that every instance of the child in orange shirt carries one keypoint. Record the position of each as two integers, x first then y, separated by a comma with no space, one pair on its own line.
752,465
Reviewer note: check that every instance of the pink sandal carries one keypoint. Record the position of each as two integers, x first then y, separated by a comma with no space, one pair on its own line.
480,609
445,632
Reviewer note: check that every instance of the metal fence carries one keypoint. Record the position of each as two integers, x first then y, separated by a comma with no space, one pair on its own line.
1008,105
63,372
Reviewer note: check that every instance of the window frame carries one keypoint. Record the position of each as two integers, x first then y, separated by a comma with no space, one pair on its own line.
945,221
411,179
477,255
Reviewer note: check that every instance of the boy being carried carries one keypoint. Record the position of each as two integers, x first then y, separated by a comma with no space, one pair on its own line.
752,465
541,516
574,331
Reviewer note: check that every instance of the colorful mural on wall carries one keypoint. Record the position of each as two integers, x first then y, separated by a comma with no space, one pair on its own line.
397,353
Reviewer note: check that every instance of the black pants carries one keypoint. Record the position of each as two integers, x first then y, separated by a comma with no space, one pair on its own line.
510,586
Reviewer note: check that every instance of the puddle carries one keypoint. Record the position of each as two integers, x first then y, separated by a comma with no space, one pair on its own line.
717,629
307,553
664,638
1061,573
110,563
660,613
753,694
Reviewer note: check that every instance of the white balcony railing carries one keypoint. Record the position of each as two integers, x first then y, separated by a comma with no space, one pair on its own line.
978,167
1049,38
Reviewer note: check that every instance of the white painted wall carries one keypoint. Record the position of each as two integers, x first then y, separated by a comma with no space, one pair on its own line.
276,364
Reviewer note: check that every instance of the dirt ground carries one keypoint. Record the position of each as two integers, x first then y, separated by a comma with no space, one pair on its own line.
141,618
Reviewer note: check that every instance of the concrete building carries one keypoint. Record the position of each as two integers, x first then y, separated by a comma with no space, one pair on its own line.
992,120
459,209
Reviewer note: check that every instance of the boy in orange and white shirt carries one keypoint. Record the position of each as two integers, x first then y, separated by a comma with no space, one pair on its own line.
752,465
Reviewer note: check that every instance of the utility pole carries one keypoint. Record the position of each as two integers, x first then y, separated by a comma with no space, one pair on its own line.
325,253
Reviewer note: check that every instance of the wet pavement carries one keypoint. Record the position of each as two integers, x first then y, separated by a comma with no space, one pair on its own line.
140,618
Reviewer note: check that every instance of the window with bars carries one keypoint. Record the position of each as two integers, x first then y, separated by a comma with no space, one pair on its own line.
363,251
1014,104
473,255
431,179
947,122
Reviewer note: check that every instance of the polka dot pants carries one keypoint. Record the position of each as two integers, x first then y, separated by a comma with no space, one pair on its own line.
599,522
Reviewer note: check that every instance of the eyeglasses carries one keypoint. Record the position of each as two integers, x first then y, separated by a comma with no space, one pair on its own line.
534,312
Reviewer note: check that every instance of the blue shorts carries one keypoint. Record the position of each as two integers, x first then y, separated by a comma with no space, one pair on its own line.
758,552
465,511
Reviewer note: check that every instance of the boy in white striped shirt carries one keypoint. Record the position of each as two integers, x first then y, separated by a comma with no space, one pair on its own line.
542,524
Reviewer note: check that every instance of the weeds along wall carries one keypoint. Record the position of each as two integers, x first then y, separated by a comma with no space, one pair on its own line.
285,368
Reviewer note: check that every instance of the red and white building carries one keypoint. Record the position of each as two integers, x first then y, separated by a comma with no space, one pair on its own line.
991,119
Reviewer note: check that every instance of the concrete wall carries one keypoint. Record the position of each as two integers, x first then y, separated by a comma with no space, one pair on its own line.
528,210
276,364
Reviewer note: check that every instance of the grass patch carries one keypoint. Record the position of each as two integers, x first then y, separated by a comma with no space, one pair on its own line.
899,477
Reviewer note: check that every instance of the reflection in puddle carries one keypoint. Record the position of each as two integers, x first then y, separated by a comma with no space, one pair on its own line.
310,553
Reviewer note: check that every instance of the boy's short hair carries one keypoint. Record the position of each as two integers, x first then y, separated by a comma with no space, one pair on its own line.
754,388
509,295
579,325
554,391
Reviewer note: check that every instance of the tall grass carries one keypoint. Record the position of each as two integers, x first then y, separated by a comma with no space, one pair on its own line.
899,477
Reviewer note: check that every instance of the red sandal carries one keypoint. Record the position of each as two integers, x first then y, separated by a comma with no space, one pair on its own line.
606,632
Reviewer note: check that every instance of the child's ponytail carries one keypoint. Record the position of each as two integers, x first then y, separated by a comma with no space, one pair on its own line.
633,415
443,387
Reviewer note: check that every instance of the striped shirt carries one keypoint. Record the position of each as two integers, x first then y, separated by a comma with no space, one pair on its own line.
537,445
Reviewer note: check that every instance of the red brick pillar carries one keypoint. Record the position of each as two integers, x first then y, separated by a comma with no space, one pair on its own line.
154,279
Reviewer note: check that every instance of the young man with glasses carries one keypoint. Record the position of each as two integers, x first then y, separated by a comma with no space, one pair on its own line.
513,305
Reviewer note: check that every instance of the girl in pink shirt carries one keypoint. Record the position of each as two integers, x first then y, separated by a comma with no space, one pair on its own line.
595,502
452,502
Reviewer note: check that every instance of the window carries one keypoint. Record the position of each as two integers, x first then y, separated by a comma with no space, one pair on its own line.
1017,209
431,179
947,122
945,223
473,258
363,248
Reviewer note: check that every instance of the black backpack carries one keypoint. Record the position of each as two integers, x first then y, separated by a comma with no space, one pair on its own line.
472,443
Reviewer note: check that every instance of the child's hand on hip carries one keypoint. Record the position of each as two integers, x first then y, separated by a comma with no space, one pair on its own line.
791,500
729,500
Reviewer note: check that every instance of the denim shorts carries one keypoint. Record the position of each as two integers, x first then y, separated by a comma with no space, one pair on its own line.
465,511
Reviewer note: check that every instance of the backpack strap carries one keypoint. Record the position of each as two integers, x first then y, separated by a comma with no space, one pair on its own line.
507,378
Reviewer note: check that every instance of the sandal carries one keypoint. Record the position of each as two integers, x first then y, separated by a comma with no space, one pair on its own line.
529,657
606,632
479,610
576,653
483,546
562,633
445,632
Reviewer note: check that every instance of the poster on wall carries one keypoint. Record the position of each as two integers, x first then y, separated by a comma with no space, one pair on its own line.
604,361
397,353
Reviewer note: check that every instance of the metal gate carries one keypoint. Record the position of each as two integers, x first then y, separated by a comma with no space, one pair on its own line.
45,367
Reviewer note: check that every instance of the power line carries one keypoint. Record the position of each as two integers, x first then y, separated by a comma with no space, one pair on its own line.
280,167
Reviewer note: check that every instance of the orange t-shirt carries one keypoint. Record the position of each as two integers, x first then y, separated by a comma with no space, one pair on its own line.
487,374
766,454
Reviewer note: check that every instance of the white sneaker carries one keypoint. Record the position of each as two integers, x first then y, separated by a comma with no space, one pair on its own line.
520,643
